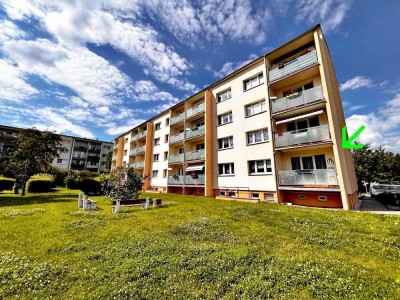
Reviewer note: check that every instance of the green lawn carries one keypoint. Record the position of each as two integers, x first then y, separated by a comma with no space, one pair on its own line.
193,247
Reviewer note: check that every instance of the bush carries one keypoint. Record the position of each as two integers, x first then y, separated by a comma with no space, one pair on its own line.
90,186
84,181
59,175
40,183
6,184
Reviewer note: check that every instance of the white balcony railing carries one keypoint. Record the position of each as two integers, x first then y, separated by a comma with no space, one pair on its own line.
139,165
142,134
175,179
176,158
195,110
297,137
176,138
132,151
293,66
194,155
178,118
302,98
195,132
140,149
134,138
308,177
114,157
195,179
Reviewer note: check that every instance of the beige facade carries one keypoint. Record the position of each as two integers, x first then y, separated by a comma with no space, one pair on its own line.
270,131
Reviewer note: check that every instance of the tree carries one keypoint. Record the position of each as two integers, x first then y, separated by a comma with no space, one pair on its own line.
123,183
107,162
33,153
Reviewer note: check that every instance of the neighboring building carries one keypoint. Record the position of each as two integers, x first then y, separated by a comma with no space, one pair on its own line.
79,153
270,131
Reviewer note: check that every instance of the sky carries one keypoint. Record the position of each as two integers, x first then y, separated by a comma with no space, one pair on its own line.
96,69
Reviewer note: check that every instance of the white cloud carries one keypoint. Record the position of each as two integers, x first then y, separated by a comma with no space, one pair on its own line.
230,67
145,90
382,128
116,129
8,31
355,107
13,85
356,82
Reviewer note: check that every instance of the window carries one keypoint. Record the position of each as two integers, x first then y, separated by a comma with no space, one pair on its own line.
165,155
320,162
258,136
256,108
200,146
167,122
125,152
260,167
225,118
224,95
255,195
126,140
322,198
180,171
62,161
156,157
226,169
269,197
66,142
302,197
309,162
301,126
155,173
253,82
225,143
166,138
158,126
156,141
164,173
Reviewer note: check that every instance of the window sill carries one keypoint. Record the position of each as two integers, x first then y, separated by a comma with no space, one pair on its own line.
226,175
261,174
256,114
224,100
252,87
257,143
224,124
225,149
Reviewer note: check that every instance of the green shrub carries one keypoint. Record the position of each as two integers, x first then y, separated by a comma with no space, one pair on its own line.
59,175
90,186
40,183
6,184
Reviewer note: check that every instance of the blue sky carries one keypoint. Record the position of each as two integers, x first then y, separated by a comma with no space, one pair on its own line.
98,68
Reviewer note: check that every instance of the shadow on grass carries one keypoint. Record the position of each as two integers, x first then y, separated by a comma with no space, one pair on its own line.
6,200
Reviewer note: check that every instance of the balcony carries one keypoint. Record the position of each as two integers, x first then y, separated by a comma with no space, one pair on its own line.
195,132
176,158
139,165
178,118
303,136
134,138
140,149
308,177
175,179
115,146
195,155
132,152
176,138
195,110
142,134
293,66
114,157
195,180
302,98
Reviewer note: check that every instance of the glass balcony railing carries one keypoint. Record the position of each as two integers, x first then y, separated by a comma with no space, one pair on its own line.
132,151
303,136
176,138
139,165
140,149
134,138
114,157
178,118
293,66
195,132
299,99
142,134
175,179
308,177
176,158
195,110
194,155
197,179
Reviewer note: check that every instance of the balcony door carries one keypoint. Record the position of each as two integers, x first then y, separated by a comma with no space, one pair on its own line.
303,125
309,162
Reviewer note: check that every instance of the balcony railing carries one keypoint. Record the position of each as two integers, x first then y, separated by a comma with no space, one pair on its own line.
139,165
115,146
140,149
308,177
178,118
308,135
197,179
176,138
195,132
134,138
175,179
195,110
142,134
176,158
132,151
194,155
114,157
293,66
302,98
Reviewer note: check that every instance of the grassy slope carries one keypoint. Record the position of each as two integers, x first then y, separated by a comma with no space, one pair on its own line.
194,248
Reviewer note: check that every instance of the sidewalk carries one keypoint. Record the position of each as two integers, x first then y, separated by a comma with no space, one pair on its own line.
373,206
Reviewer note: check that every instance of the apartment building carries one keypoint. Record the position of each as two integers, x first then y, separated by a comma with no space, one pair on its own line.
78,154
270,131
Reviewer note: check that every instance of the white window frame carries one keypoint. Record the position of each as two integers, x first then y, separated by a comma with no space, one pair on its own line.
165,173
225,118
166,138
223,140
155,173
256,108
255,197
228,169
252,136
225,95
265,163
253,82
165,155
167,122
157,126
156,157
156,141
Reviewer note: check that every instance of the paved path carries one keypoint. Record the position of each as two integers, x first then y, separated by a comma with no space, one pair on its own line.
373,206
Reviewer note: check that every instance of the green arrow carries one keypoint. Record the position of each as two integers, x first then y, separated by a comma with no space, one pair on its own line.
347,143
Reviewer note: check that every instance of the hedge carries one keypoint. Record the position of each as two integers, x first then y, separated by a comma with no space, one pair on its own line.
90,186
40,184
6,184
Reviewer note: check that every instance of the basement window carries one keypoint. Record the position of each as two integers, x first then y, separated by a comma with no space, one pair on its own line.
301,197
322,198
269,197
255,195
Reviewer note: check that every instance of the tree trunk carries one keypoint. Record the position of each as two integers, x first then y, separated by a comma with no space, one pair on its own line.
23,188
